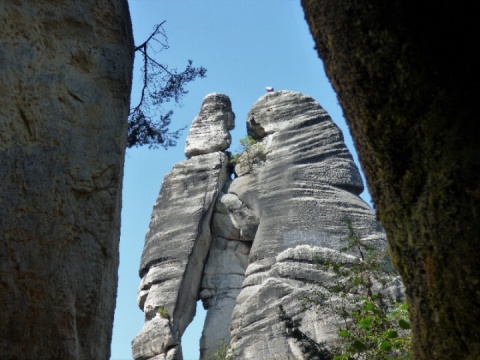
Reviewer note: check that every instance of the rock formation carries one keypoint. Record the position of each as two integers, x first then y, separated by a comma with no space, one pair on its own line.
178,240
247,245
65,70
410,105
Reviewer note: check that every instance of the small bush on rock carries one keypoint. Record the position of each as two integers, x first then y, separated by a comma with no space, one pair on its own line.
250,152
163,312
223,352
372,326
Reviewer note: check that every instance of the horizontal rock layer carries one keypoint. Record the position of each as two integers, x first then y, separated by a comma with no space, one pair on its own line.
210,128
302,192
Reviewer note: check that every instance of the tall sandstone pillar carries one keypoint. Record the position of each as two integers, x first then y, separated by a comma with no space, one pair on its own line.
65,78
179,237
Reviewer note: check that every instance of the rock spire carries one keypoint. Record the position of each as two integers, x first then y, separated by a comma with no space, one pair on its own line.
248,245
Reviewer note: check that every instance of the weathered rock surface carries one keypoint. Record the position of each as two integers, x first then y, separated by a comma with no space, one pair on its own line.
210,129
287,206
410,104
179,239
301,193
233,229
65,70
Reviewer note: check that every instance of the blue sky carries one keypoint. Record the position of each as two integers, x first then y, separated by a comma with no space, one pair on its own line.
245,46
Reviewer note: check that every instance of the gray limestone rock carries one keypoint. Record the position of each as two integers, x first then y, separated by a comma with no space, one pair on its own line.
176,247
65,70
210,129
233,228
233,220
157,338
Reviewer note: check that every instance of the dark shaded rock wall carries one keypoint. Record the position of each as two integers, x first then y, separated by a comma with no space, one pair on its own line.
406,76
65,77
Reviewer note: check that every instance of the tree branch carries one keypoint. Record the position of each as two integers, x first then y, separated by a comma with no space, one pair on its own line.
146,124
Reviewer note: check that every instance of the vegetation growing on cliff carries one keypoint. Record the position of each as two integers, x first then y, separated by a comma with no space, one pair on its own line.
163,312
250,152
148,123
223,352
372,326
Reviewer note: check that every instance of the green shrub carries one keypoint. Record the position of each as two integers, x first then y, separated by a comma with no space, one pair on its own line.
373,326
250,151
163,312
223,352
375,334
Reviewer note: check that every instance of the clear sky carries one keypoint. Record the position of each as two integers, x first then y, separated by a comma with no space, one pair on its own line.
245,45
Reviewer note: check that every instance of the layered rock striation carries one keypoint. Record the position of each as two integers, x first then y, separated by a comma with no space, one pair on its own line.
250,245
179,237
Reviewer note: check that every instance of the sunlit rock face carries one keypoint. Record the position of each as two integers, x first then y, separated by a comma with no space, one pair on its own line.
287,206
210,129
179,237
65,70
301,194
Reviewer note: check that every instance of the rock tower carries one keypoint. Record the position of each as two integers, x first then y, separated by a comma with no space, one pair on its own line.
244,241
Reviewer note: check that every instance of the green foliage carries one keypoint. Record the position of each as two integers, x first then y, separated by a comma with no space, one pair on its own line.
148,124
375,334
250,151
163,312
373,327
245,144
247,141
223,352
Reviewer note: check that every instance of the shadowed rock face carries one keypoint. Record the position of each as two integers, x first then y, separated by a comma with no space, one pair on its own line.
409,105
65,70
262,232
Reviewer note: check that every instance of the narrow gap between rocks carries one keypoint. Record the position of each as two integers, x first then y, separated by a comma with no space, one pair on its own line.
193,333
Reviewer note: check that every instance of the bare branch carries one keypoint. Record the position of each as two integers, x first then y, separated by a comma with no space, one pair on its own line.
155,32
146,124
